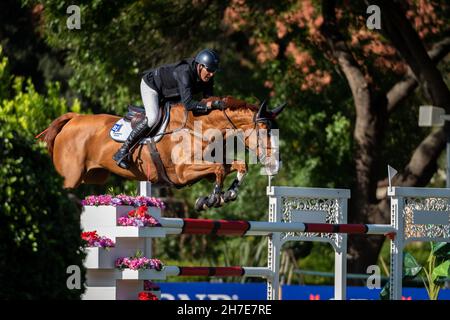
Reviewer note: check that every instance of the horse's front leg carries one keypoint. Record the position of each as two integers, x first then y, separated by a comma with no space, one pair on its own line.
215,199
232,192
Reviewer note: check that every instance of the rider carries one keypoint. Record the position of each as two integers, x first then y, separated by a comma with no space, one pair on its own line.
178,81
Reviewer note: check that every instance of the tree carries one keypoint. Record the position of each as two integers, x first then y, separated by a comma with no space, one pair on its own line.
380,84
374,105
118,40
29,55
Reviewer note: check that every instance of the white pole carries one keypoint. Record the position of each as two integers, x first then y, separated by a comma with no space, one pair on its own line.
448,163
396,268
379,229
274,251
261,272
340,258
145,190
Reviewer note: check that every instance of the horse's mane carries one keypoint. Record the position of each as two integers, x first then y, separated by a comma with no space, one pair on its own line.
233,103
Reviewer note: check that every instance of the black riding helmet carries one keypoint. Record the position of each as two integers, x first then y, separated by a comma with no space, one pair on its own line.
209,58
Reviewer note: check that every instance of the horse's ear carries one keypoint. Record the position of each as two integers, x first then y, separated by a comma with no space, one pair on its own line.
275,112
262,111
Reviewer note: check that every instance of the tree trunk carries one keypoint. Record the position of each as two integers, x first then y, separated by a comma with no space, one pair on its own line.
371,113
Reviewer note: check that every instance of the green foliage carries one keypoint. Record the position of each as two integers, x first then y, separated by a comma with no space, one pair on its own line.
438,268
432,273
120,39
411,267
321,259
5,77
40,234
23,108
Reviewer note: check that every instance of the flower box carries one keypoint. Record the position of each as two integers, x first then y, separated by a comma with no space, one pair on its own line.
101,258
96,217
115,233
122,290
149,274
99,293
113,284
104,281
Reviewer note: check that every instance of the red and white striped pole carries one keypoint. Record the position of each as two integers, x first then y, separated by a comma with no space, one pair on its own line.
241,227
218,271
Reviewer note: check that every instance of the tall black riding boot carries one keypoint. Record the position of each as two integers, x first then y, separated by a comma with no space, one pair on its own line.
122,156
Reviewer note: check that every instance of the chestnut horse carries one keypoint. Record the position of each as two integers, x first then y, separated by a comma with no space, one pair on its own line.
81,148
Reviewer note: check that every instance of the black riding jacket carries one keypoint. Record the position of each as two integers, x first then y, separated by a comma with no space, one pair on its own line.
179,81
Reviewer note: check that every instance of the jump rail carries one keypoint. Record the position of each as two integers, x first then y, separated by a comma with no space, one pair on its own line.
295,214
242,227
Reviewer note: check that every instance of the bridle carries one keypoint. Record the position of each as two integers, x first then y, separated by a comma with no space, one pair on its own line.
256,120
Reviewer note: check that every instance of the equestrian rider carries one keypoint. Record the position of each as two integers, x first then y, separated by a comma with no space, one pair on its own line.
178,81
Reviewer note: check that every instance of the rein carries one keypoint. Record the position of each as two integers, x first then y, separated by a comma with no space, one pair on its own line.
230,121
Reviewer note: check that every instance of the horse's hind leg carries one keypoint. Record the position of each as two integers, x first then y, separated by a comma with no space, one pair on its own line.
70,165
73,176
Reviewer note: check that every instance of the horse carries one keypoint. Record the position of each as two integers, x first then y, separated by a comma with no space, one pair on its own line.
81,148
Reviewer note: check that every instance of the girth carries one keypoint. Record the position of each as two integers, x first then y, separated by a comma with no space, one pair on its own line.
163,178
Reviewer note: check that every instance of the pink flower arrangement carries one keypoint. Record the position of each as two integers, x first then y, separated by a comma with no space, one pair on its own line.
94,240
138,218
122,200
138,262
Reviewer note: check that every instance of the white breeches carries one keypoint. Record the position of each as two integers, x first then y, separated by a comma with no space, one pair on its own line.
151,105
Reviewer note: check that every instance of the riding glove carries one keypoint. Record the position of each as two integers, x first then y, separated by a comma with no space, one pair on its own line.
218,104
200,108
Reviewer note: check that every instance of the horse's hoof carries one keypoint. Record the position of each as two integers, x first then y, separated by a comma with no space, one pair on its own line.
214,200
230,195
200,203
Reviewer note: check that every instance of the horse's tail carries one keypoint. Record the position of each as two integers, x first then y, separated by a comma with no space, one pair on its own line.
49,134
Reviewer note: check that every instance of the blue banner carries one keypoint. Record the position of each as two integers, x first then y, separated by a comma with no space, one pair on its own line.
257,291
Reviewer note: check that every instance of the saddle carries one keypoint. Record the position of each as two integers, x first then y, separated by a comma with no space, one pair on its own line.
123,127
135,115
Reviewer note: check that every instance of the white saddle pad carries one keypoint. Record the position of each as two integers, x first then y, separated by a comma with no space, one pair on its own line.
122,128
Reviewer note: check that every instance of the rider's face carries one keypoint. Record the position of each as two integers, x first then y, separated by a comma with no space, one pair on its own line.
205,74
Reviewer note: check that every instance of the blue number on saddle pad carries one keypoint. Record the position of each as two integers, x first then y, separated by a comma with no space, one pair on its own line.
116,127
